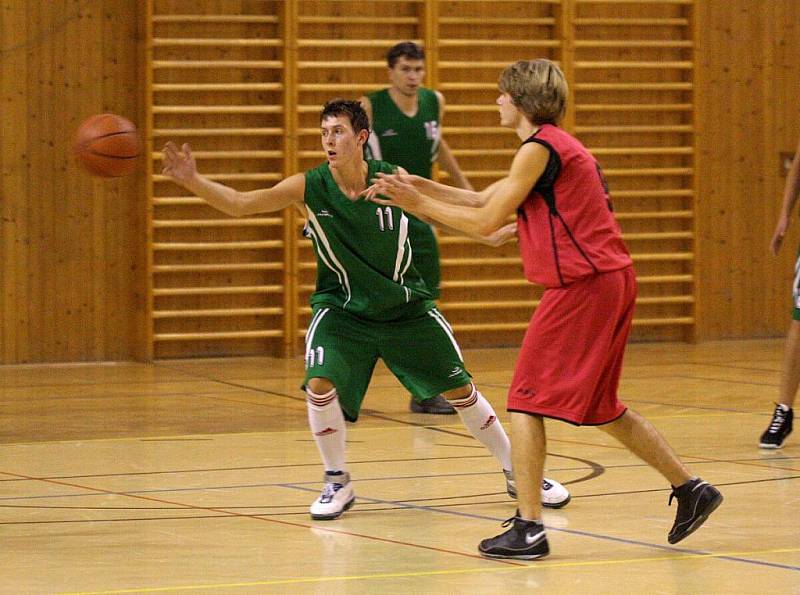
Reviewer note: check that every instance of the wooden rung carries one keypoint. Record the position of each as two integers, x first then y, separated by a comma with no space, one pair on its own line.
644,128
658,236
633,43
470,108
515,43
248,289
468,86
662,256
462,283
632,22
482,152
216,336
483,173
178,132
216,313
657,279
490,305
229,177
222,267
336,87
229,154
633,86
343,64
654,215
202,87
481,261
451,130
214,42
489,326
217,109
667,193
216,18
228,222
654,2
215,246
671,321
649,171
665,299
643,151
222,64
348,43
644,64
495,21
472,64
633,107
349,20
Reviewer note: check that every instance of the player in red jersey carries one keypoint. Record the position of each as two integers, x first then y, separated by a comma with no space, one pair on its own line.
571,357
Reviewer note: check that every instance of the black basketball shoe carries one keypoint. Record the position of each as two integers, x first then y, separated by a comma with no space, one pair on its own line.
779,428
525,540
696,500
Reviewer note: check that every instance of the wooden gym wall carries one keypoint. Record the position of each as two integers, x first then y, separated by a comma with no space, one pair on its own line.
242,81
73,250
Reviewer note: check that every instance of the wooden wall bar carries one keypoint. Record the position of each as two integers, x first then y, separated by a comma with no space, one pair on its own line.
85,277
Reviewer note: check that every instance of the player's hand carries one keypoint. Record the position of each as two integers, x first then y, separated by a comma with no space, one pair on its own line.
178,165
397,188
505,234
780,232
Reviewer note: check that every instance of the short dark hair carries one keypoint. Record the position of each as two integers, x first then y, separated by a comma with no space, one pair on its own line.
346,107
405,49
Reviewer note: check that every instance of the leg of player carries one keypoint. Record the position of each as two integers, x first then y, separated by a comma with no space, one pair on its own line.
697,499
526,539
781,424
481,421
326,421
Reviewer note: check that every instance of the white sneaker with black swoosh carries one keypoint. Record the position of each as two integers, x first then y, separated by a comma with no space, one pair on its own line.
525,540
554,495
336,497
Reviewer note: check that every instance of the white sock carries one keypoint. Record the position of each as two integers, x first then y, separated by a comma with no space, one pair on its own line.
481,421
326,421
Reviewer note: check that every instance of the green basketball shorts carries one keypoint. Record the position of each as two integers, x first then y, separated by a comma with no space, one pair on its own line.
421,352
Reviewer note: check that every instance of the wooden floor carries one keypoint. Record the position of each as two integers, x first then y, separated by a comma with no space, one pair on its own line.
196,476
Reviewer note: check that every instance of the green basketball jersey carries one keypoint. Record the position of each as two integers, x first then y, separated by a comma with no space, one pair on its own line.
365,255
413,144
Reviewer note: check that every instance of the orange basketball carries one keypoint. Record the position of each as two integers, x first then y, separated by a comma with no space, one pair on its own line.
107,145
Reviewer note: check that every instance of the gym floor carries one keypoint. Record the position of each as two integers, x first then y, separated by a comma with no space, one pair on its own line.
196,476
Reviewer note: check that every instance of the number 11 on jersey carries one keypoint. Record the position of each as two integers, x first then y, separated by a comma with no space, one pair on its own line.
385,218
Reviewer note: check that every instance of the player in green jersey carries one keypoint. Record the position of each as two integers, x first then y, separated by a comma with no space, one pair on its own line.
370,301
406,121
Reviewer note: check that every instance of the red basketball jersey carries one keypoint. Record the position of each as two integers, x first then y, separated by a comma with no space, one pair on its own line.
566,227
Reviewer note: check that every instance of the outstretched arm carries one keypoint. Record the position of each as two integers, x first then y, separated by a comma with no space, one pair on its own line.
790,193
180,165
529,163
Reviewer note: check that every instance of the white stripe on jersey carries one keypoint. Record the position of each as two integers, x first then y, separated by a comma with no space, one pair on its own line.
402,238
437,316
325,253
374,147
312,328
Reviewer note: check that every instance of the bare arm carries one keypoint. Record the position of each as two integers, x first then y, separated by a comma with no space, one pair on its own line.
529,163
446,159
791,192
180,165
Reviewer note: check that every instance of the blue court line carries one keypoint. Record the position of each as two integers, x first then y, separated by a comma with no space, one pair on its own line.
568,531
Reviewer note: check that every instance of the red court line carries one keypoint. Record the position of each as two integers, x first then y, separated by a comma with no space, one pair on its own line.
258,518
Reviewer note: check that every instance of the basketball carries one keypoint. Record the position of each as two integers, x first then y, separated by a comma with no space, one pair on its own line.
107,145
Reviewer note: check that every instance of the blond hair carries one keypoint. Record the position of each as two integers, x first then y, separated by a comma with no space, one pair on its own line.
538,88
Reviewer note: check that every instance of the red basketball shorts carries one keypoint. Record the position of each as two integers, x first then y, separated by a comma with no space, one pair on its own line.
571,357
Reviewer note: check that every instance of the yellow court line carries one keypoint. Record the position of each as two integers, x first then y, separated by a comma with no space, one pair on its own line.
387,575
